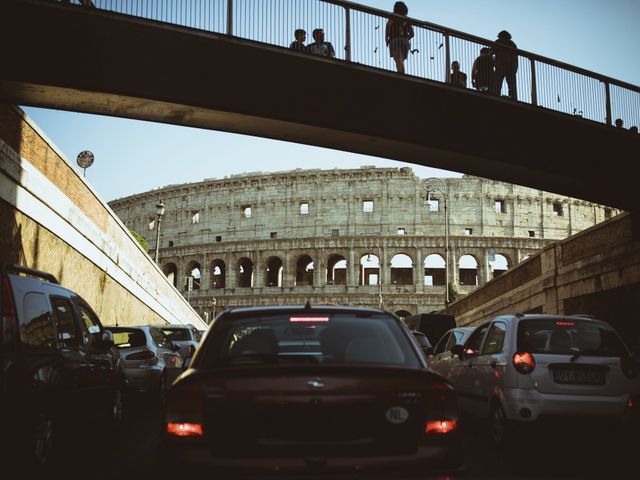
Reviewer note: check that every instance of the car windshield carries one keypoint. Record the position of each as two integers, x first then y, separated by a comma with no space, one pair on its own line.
177,334
129,338
570,337
333,338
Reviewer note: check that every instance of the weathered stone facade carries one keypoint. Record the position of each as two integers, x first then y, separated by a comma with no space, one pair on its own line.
289,237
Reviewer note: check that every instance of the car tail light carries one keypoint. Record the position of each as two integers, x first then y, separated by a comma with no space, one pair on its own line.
524,362
441,426
442,409
185,429
184,414
145,355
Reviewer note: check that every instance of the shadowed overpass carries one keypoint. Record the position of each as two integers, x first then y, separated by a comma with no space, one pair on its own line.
90,60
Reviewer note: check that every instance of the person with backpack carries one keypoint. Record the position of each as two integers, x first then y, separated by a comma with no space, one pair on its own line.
482,73
506,61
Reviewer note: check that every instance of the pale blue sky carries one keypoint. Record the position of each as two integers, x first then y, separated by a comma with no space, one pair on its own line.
134,156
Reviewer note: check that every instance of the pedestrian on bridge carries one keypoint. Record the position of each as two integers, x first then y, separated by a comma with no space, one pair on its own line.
458,77
298,44
398,35
482,72
320,47
506,58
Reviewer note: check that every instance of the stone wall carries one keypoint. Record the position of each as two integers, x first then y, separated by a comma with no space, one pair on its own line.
357,213
51,219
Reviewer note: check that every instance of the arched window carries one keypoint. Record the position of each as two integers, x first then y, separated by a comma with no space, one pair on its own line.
336,270
171,272
401,269
273,275
194,273
369,269
499,265
435,273
468,270
304,271
245,273
219,274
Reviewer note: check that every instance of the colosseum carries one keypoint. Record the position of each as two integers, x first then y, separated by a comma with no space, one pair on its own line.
369,236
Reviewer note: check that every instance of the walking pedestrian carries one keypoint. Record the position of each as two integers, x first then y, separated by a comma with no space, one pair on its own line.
398,35
320,47
506,61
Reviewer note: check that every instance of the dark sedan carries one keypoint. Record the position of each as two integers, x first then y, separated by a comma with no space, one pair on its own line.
311,388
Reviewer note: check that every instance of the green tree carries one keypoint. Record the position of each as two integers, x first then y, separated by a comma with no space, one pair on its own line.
141,240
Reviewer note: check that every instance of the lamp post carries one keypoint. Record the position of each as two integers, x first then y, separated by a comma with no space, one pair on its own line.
159,214
443,191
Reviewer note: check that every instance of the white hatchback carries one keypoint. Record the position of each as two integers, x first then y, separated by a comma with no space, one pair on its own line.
524,367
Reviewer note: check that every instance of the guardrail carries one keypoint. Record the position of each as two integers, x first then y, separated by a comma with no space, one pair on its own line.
357,34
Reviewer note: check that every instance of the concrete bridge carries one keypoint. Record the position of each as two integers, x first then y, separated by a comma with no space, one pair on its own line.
140,65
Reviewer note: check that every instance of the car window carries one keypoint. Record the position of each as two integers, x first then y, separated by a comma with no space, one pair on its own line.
159,338
65,321
177,334
442,344
451,342
129,338
89,323
459,336
196,335
332,338
38,330
495,339
569,336
475,341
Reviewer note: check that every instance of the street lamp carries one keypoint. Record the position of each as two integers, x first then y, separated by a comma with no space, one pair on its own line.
159,214
443,191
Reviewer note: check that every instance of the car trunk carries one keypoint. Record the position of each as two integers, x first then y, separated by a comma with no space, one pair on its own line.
303,412
584,376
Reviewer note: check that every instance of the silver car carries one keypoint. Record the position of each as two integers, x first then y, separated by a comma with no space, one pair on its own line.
442,360
186,337
150,360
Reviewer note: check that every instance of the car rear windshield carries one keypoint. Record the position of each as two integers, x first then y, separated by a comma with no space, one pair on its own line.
334,338
569,336
177,334
129,338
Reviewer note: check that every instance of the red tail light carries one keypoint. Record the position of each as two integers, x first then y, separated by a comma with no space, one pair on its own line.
442,409
441,426
184,429
184,413
524,362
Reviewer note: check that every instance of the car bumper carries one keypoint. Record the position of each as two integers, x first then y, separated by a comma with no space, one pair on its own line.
529,405
441,457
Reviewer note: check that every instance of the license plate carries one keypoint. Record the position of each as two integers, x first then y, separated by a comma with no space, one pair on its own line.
584,377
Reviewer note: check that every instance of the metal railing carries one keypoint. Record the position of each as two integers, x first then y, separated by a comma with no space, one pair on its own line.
357,34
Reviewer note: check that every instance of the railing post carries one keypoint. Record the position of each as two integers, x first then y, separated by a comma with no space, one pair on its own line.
534,83
347,45
607,93
229,17
447,59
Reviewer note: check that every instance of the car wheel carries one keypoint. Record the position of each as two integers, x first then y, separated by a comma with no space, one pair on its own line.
42,440
499,425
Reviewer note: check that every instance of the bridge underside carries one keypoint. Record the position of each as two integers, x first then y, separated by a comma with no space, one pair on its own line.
91,61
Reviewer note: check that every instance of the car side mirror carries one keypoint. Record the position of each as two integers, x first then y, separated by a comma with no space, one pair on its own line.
106,339
458,350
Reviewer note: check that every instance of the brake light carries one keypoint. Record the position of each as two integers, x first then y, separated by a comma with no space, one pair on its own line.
440,426
184,411
564,323
309,319
184,429
524,362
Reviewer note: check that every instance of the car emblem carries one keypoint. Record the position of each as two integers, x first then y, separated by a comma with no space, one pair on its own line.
315,383
397,415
